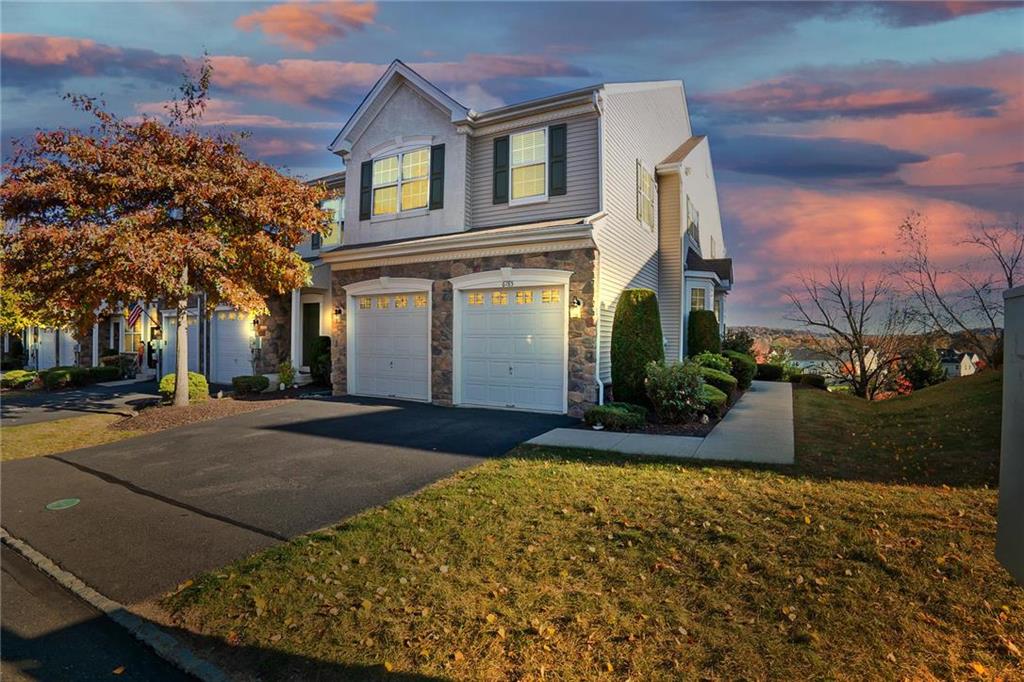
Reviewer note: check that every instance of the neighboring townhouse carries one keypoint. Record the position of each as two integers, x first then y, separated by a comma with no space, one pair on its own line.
811,361
45,347
484,252
957,363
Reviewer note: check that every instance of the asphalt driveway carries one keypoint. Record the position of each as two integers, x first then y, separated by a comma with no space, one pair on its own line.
158,509
30,407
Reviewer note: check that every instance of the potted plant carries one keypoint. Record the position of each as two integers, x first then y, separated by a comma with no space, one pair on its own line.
285,375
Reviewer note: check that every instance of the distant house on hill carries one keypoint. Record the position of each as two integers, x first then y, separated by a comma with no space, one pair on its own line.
811,361
956,363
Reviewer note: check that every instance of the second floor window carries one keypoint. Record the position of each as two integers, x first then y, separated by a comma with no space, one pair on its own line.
529,164
693,221
697,299
401,182
644,195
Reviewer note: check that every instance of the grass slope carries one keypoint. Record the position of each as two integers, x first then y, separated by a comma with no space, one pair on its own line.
573,565
47,438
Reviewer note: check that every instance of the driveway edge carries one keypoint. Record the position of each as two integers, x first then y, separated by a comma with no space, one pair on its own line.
164,644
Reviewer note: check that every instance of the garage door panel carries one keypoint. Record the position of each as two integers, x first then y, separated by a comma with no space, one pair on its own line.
512,349
231,354
392,347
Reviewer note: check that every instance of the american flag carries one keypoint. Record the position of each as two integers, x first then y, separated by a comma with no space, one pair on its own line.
135,314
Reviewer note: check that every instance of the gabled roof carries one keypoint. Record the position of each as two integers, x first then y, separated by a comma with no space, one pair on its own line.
720,266
683,150
425,87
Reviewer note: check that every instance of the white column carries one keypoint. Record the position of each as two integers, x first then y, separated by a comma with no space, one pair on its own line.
296,330
95,344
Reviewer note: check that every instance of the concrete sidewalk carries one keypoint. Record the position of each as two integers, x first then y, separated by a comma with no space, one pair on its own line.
759,428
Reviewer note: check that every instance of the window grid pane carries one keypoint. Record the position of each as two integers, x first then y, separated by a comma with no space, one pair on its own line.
365,302
476,299
382,302
385,200
499,298
524,296
697,299
414,194
528,147
385,171
401,301
416,164
550,296
420,301
528,181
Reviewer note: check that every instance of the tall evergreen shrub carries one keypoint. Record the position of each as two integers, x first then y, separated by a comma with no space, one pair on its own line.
636,342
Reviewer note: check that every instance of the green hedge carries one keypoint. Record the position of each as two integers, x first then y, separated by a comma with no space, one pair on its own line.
636,342
769,372
104,373
617,416
702,333
715,400
64,377
721,380
245,384
815,380
744,368
320,365
675,390
198,389
18,378
714,361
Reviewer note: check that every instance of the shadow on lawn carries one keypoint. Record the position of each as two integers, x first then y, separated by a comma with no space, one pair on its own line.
94,648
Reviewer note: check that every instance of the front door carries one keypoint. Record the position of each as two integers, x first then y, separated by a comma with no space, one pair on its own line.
310,330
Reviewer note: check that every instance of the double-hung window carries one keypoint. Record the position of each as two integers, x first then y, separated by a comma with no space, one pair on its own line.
529,166
401,182
644,195
697,301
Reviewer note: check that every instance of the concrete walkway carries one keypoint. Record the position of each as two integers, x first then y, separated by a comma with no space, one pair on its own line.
759,428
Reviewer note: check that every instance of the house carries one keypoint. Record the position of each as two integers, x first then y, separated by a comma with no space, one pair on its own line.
484,252
957,363
811,361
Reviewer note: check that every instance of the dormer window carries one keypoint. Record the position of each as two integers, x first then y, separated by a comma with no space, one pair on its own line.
401,182
529,165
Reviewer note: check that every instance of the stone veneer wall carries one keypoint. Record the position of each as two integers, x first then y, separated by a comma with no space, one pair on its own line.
277,340
582,331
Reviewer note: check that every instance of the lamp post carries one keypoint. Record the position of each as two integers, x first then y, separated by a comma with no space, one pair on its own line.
256,342
158,343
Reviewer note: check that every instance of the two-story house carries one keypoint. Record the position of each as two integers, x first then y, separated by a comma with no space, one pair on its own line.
484,252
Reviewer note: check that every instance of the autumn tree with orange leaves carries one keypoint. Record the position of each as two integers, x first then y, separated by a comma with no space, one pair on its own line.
147,210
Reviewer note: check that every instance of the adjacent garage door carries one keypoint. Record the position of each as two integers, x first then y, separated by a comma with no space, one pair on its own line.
170,332
229,348
47,351
392,345
512,348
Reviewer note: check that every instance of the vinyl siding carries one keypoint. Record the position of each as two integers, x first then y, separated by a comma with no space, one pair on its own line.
646,124
670,264
581,199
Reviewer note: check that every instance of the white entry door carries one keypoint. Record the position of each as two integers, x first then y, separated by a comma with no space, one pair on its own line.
513,348
230,351
170,332
392,345
47,353
67,348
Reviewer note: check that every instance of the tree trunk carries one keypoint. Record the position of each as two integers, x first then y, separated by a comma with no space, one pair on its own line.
181,351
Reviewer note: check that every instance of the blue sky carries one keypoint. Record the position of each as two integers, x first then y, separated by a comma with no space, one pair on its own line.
828,121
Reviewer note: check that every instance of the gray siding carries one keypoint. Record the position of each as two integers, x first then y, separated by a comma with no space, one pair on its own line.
639,123
581,199
670,264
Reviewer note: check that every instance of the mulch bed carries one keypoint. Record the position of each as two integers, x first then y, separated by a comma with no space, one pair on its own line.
695,429
160,417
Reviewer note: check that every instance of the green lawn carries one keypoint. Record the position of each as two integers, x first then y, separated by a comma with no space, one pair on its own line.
554,565
47,438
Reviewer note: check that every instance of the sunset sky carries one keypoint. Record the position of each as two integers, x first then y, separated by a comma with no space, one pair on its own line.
828,122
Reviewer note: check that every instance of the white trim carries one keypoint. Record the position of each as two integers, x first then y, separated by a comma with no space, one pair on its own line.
296,321
385,285
95,343
400,144
400,180
533,198
503,279
304,300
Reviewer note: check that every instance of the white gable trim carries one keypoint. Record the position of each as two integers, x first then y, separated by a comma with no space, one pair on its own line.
458,112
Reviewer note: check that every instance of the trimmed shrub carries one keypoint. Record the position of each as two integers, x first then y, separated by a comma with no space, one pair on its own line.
286,374
922,367
766,371
18,378
198,389
724,382
675,390
617,416
794,378
636,342
714,399
109,352
63,377
738,342
714,361
320,365
815,380
103,373
744,367
702,333
12,362
245,384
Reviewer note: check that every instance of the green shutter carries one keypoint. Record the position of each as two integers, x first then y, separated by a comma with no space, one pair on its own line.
500,188
557,169
437,176
365,189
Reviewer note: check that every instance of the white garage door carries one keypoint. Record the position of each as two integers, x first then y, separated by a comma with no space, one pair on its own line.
229,348
170,332
512,347
392,345
47,353
67,348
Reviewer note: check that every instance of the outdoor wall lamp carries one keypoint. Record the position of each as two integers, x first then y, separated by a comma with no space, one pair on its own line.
339,310
576,308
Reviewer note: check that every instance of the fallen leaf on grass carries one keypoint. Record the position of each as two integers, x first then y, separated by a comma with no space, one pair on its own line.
119,670
979,668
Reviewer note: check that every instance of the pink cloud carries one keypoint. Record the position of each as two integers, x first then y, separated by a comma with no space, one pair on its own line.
39,50
221,112
272,147
307,25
